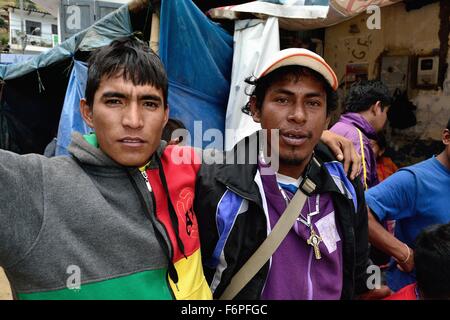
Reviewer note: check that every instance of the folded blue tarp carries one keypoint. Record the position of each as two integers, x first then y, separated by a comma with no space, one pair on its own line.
71,119
198,55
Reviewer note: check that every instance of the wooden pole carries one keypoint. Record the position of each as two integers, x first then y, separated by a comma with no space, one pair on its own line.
154,36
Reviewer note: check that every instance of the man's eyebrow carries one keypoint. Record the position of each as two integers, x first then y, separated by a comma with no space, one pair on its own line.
116,94
113,94
283,91
315,94
152,97
312,94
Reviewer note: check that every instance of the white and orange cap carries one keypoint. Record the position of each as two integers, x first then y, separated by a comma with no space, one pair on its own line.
300,57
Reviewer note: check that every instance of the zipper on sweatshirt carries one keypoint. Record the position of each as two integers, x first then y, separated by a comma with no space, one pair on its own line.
170,262
155,222
149,187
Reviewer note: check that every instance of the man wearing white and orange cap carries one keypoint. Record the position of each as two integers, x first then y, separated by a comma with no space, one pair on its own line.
325,253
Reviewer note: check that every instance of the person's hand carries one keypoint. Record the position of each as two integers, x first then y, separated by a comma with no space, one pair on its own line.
406,265
344,150
376,294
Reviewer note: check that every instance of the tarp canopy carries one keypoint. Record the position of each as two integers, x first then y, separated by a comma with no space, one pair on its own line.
115,25
71,119
300,14
33,92
196,52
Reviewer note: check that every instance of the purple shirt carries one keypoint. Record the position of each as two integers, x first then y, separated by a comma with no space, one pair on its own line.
346,126
294,273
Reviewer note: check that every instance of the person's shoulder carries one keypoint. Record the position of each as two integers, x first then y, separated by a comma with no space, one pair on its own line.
331,164
323,153
347,131
422,164
421,168
343,127
336,171
397,186
183,155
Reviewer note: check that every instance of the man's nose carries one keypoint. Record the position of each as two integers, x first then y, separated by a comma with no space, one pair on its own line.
132,117
298,113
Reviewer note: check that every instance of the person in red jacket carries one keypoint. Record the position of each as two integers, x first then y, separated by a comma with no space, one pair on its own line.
385,165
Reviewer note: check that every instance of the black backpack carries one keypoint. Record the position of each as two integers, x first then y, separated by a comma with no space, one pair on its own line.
401,113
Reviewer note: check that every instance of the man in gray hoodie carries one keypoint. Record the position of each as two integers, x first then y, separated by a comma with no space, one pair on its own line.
86,226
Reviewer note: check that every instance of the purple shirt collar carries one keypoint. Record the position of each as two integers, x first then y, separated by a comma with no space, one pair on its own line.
360,122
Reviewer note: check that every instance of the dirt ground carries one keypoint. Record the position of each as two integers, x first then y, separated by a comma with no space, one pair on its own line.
5,291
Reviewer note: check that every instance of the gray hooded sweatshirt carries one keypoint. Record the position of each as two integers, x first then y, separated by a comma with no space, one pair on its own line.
80,232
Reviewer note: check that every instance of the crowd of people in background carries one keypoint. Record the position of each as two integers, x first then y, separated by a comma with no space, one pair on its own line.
401,203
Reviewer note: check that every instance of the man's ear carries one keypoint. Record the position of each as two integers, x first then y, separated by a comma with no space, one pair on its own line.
376,108
446,137
166,115
86,113
255,112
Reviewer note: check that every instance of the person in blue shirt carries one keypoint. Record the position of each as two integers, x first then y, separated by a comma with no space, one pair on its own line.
417,196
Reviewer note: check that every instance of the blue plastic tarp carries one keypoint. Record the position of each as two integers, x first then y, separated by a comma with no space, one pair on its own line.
71,119
12,58
198,56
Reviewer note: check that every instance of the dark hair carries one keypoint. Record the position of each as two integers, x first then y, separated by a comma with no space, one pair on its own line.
364,94
288,72
132,59
381,140
432,262
171,126
448,124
